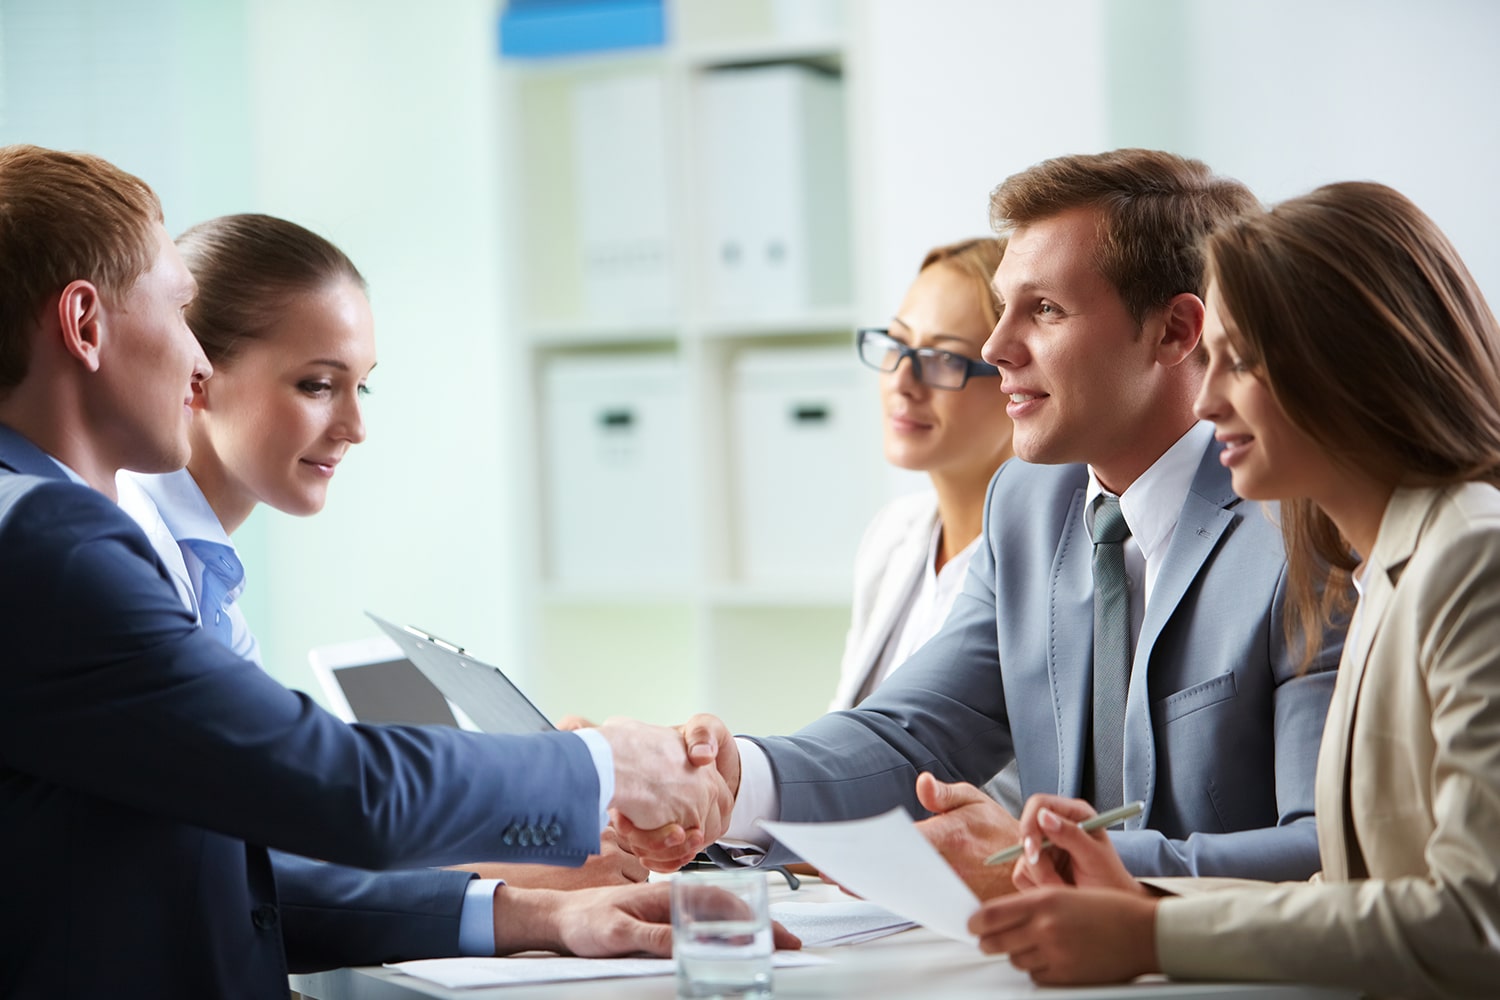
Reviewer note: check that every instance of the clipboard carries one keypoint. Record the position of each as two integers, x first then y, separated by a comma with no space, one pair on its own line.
481,691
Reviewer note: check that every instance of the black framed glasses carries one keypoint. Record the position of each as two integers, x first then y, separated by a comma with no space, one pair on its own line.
930,366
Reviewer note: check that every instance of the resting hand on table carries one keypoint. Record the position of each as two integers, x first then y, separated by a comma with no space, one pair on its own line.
706,741
682,804
1077,857
1068,935
593,923
613,865
967,827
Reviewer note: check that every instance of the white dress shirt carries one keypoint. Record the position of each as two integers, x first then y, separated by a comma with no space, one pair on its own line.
1151,506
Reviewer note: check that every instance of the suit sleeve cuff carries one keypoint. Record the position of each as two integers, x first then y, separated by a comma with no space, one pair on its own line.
476,922
604,763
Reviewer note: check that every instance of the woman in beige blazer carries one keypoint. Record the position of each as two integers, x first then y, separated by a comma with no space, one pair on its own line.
1354,373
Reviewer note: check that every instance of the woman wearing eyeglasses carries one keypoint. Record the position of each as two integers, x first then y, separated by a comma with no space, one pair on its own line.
944,414
1354,373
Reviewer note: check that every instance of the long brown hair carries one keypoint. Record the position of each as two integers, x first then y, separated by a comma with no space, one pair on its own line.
1369,331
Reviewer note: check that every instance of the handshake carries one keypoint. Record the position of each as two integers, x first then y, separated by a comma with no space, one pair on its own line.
674,788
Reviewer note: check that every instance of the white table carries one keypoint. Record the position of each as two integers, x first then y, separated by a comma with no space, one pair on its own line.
916,964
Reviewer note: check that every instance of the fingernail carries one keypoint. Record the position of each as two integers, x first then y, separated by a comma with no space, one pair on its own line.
1032,854
703,750
1049,820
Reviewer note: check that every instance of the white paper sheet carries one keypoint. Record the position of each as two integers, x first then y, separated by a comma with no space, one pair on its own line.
885,860
840,922
460,973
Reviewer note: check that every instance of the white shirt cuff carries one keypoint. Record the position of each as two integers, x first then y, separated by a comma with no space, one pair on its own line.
476,922
604,763
757,799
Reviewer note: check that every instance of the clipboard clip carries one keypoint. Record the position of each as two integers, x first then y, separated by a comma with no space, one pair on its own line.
429,637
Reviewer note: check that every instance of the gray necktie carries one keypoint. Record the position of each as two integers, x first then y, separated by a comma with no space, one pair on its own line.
1112,652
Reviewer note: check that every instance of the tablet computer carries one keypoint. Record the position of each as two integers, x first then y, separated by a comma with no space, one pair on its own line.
373,680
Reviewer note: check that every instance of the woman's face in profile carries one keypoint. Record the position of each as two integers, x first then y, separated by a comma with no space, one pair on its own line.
962,432
1268,456
281,415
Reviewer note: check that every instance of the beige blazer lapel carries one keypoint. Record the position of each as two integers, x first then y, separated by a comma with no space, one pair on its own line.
1400,529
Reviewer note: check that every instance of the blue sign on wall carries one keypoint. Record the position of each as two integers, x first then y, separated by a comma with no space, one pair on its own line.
532,29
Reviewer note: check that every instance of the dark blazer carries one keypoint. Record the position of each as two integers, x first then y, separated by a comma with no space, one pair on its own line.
145,771
1221,732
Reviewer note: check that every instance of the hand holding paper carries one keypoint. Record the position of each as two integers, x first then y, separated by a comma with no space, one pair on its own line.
885,860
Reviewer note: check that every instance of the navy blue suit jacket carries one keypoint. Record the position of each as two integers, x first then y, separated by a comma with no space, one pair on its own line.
146,773
1221,729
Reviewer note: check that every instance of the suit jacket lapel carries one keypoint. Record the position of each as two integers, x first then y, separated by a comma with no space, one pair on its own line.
1400,529
1206,514
1070,660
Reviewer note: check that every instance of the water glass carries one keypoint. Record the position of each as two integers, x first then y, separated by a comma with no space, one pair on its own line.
721,934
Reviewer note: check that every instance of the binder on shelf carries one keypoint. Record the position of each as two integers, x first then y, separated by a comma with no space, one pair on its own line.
540,28
617,496
620,172
771,158
806,445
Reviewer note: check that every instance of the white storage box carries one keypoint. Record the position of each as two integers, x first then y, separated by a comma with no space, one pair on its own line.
617,495
775,219
808,468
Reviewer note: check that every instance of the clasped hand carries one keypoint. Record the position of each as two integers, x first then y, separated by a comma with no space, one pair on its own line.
714,761
671,798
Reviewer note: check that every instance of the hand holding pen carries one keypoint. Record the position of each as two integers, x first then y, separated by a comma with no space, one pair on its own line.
1063,842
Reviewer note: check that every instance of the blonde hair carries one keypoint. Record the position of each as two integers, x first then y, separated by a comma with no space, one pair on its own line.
977,260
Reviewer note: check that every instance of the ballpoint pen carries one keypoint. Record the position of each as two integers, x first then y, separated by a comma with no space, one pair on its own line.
1099,822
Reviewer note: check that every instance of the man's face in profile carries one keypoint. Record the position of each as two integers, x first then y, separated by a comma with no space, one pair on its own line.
1079,374
148,363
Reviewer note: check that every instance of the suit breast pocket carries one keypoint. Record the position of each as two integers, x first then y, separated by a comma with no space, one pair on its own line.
1196,698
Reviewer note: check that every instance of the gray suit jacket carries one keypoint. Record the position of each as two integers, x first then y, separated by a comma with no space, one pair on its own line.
1221,731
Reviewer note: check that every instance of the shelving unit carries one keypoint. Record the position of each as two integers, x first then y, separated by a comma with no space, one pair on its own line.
764,652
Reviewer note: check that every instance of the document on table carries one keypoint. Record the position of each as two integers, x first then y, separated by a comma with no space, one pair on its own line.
829,924
885,860
459,973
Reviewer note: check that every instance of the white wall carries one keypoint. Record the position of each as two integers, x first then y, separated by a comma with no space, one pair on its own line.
1287,95
959,94
375,123
1284,94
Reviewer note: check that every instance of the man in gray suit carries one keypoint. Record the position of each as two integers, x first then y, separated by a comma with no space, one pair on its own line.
1115,658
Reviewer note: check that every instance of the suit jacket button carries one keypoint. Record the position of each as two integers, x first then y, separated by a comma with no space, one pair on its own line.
508,837
265,917
554,832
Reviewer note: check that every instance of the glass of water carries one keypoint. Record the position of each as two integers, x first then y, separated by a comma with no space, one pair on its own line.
721,934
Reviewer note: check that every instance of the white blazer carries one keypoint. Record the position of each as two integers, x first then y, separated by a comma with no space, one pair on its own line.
888,570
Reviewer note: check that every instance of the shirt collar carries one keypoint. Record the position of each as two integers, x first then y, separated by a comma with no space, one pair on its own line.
183,507
1153,502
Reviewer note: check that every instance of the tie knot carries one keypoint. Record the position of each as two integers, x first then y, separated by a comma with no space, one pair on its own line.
1109,521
